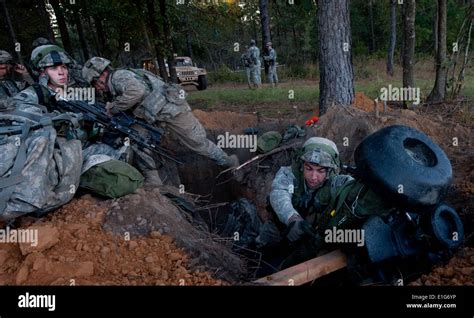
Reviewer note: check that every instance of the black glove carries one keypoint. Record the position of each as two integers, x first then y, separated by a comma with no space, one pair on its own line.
297,229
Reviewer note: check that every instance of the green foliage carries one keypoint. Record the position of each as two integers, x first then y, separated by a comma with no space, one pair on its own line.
212,29
225,74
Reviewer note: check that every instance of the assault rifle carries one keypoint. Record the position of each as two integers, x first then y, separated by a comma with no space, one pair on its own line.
120,122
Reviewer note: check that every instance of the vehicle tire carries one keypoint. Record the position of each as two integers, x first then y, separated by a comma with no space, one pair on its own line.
404,164
202,81
447,226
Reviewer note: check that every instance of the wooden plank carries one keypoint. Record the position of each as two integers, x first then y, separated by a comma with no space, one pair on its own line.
306,272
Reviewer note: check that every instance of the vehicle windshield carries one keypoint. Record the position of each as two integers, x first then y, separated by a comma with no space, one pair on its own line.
183,62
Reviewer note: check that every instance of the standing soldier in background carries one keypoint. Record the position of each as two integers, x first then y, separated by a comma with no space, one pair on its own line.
13,77
254,54
245,61
270,59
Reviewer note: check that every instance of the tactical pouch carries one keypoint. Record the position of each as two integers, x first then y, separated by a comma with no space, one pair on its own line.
153,104
353,203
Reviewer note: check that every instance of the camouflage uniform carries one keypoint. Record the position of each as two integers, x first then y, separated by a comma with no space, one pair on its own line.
42,172
270,59
11,84
245,61
290,197
254,54
156,102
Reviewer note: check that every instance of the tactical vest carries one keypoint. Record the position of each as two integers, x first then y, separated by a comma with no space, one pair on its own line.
8,88
164,100
45,97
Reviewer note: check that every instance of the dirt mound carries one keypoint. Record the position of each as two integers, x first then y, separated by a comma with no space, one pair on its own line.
229,121
73,249
365,103
150,211
458,272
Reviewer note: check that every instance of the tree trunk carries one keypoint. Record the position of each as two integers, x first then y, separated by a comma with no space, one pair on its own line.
11,30
44,15
435,32
439,90
393,36
409,10
80,33
372,31
336,85
100,31
168,41
265,23
254,29
95,51
150,5
189,42
65,39
295,40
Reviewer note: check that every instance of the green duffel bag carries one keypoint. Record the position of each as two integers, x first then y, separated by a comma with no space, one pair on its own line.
112,179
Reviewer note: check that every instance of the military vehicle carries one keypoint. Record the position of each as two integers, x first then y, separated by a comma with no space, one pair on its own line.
187,72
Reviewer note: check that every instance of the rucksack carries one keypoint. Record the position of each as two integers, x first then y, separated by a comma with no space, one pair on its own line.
112,179
106,172
39,170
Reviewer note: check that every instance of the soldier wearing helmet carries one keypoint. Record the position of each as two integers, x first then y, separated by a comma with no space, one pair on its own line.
13,77
300,193
255,64
147,97
51,63
269,58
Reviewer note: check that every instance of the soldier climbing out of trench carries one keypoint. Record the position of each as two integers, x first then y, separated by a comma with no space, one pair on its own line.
149,98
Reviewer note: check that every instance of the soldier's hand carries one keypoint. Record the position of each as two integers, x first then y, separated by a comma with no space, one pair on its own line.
108,108
297,228
20,69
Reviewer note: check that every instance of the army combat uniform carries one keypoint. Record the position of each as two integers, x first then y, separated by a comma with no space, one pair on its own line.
270,59
254,54
154,101
245,61
340,202
11,84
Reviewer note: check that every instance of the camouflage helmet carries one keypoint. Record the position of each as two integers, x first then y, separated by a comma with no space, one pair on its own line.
321,151
49,55
94,67
252,42
5,57
40,41
269,43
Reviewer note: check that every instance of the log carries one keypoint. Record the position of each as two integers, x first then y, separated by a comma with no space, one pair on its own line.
306,272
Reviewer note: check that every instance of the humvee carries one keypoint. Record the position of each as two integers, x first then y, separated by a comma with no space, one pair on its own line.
188,74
